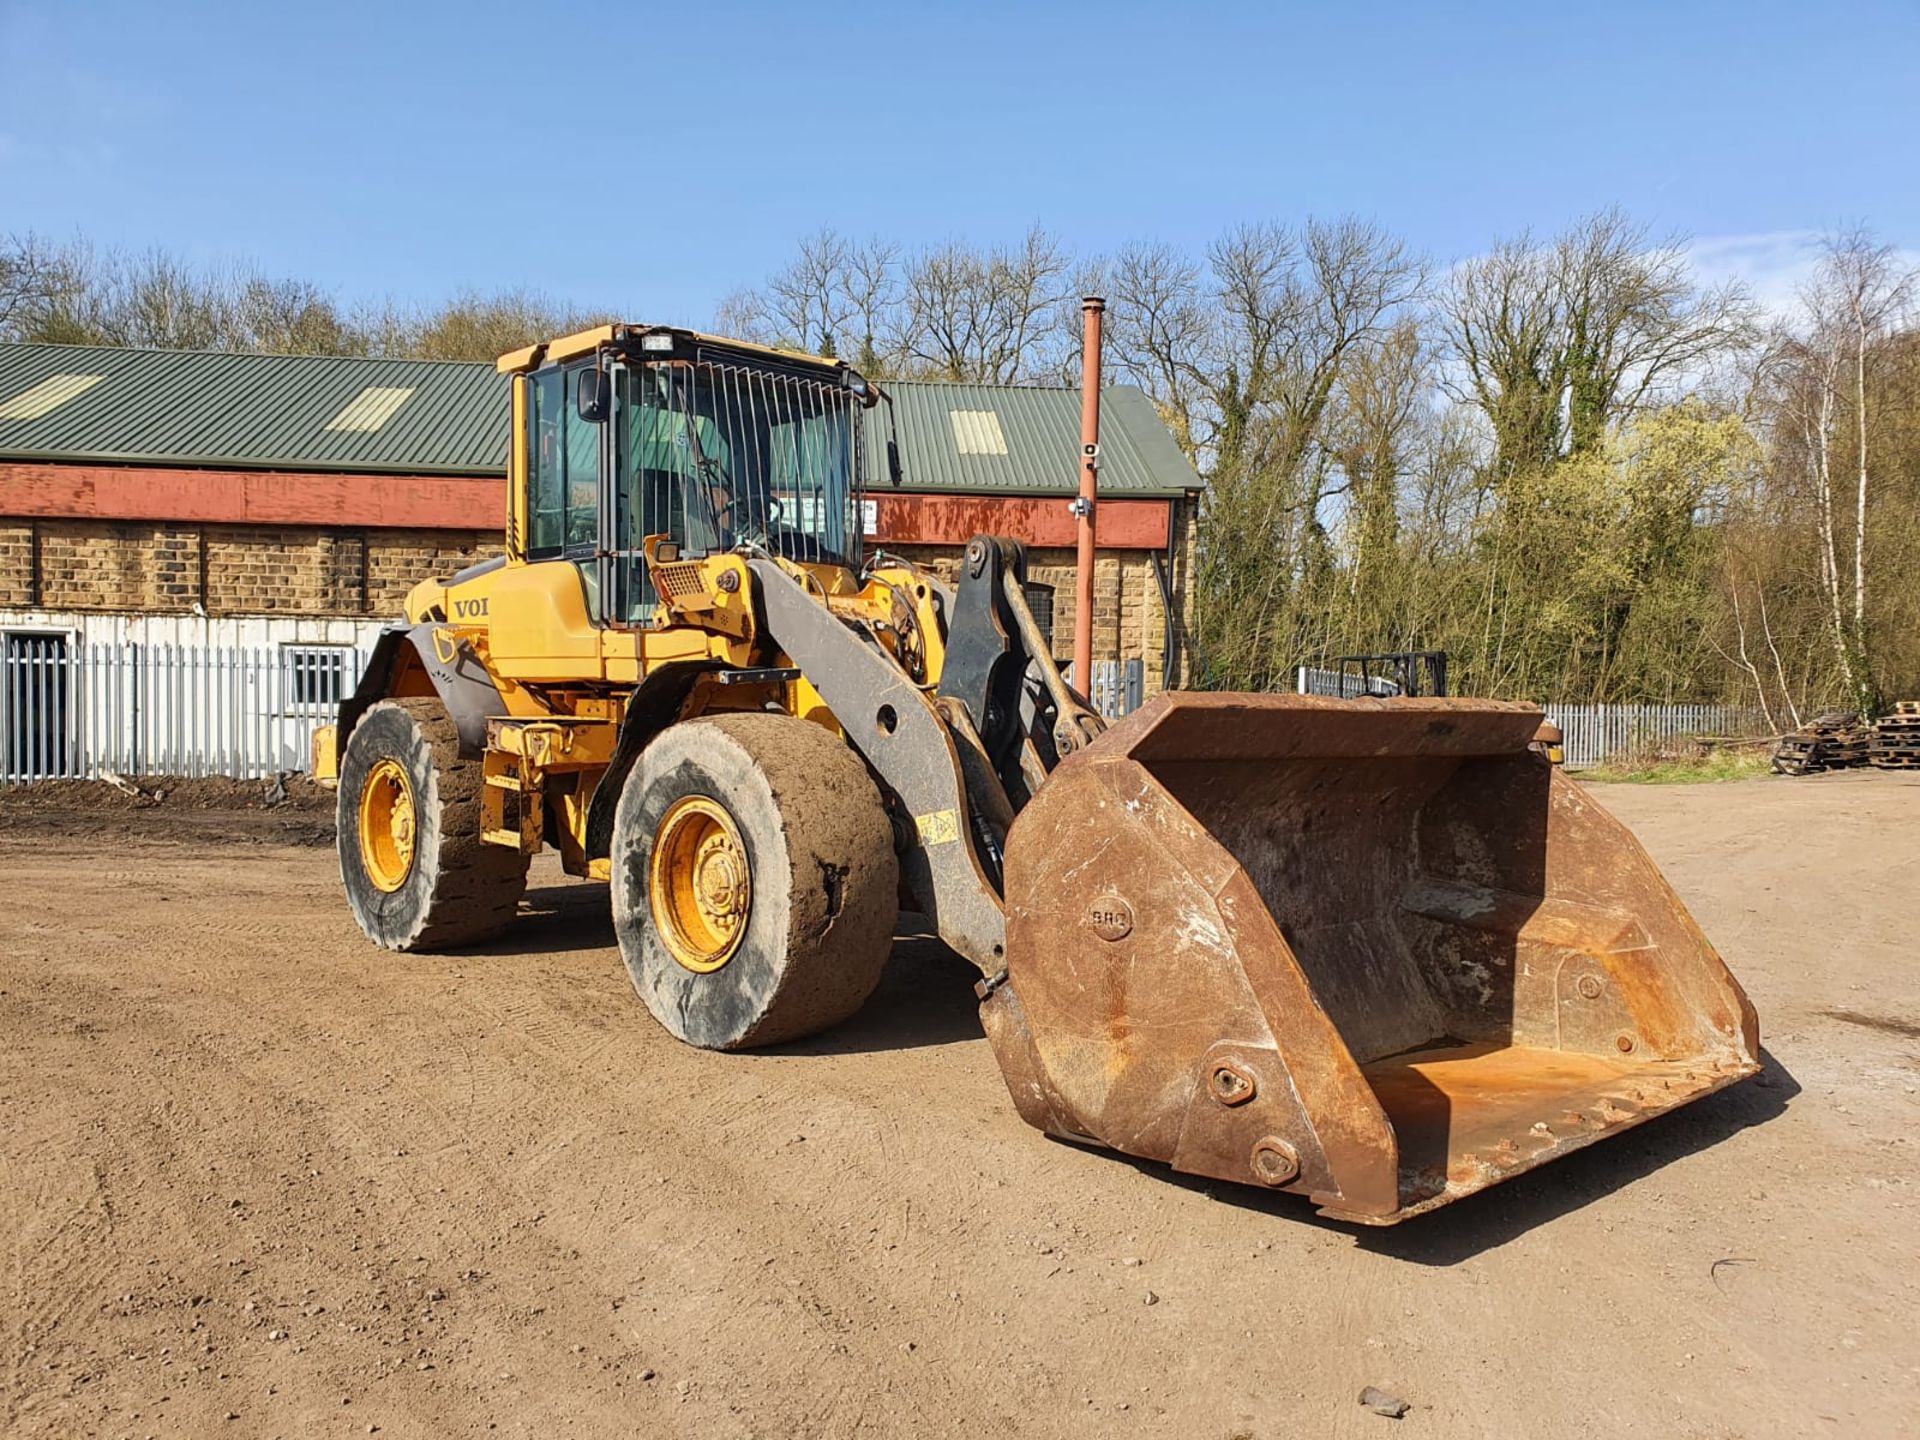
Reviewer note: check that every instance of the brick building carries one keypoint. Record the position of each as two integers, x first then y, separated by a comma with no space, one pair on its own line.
167,497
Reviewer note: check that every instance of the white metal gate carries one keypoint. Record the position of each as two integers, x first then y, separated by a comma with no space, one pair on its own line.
36,693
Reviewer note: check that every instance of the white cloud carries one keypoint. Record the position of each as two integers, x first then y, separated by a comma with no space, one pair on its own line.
1774,265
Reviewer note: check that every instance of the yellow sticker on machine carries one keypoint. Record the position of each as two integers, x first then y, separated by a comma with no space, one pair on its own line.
940,828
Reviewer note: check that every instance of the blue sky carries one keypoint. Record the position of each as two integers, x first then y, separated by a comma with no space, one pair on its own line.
655,157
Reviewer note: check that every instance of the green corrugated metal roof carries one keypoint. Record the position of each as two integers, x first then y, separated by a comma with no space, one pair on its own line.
1031,446
194,408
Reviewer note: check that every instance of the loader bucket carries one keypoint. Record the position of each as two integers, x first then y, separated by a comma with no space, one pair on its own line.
1378,952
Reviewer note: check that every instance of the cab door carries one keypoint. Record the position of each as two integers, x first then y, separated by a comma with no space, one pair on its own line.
565,470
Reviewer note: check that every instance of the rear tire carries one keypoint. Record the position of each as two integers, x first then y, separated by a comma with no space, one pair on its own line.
417,873
779,840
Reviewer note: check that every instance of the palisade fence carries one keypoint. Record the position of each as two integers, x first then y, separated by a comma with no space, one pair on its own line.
1591,733
1595,733
70,709
1118,686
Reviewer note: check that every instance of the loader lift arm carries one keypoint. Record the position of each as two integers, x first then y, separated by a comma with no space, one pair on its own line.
962,762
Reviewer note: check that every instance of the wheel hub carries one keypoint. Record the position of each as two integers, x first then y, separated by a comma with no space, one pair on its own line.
699,885
387,825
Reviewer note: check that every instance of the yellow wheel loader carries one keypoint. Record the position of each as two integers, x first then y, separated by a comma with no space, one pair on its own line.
1380,952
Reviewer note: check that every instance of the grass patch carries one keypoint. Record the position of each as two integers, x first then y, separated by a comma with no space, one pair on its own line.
1721,763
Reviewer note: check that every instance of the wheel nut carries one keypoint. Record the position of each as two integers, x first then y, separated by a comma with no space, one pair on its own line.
1275,1162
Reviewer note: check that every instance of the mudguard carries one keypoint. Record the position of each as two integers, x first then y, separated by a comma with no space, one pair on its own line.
459,679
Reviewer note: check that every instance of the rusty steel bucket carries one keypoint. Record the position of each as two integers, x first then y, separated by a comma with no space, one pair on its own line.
1377,952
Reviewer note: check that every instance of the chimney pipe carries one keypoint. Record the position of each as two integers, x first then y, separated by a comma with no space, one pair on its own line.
1092,308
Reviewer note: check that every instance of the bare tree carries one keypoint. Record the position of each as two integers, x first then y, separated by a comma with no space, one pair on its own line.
1636,322
1854,306
808,298
35,277
983,315
744,315
1381,397
870,287
1245,359
1559,341
475,326
1160,325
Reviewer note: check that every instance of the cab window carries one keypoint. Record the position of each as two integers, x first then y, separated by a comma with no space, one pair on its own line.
563,471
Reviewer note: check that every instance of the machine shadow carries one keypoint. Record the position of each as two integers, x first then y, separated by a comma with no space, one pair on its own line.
556,919
1492,1218
924,998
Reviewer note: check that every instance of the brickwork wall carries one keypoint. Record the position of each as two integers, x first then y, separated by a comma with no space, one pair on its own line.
397,560
136,565
226,569
293,570
16,563
1129,611
282,572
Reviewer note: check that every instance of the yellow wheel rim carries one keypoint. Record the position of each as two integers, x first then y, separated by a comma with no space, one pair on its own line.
699,884
387,825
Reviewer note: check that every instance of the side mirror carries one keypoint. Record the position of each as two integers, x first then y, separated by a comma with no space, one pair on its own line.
594,399
893,463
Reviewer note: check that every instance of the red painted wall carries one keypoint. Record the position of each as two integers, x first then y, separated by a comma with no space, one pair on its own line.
252,497
428,502
955,519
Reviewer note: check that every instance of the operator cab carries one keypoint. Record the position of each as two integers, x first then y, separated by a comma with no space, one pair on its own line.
637,431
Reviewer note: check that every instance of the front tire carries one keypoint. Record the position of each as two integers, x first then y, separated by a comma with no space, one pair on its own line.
418,875
754,880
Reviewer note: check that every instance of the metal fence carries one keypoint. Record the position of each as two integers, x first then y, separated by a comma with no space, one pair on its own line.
74,710
1595,733
1119,687
1342,685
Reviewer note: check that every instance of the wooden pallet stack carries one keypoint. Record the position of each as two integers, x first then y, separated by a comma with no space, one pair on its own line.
1896,738
1834,741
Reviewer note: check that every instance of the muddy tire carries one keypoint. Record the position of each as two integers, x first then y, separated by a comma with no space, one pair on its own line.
417,874
755,886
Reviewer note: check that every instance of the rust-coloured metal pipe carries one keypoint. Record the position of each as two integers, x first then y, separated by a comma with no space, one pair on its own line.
1092,309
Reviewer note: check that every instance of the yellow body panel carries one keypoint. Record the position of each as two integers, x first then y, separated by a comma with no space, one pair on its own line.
517,473
565,680
326,755
535,620
585,342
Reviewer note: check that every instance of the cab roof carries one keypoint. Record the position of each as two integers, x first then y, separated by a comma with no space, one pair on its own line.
585,342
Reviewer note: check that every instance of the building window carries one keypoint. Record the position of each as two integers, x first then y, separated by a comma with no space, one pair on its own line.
314,678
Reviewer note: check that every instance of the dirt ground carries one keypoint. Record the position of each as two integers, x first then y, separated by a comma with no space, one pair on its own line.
259,1179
